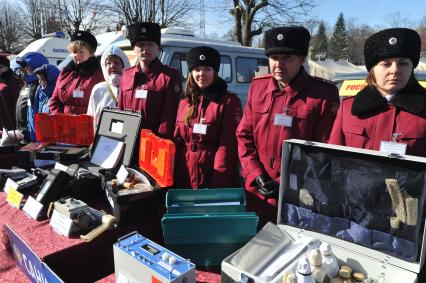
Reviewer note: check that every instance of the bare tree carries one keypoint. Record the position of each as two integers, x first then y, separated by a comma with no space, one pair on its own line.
396,20
81,15
357,34
252,16
164,12
10,27
42,17
422,32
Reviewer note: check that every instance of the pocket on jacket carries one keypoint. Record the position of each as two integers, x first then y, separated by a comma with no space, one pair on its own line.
263,106
355,135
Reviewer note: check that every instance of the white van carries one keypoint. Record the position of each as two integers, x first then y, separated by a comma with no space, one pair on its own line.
239,64
53,46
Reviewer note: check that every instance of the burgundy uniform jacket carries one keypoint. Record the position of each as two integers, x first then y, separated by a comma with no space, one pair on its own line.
10,86
368,118
310,102
208,160
155,93
82,77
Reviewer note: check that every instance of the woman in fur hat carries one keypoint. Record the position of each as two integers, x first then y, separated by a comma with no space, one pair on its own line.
207,118
389,114
77,79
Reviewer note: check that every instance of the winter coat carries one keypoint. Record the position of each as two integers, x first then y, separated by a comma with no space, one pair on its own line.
27,92
311,101
160,105
40,103
104,94
368,118
210,160
10,85
84,77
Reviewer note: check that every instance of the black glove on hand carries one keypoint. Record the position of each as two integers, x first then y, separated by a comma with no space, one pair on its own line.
266,186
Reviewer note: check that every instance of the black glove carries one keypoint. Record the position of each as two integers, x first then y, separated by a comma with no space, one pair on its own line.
266,186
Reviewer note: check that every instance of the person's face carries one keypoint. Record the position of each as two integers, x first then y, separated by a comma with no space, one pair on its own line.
392,74
285,67
146,51
113,65
42,80
81,54
203,76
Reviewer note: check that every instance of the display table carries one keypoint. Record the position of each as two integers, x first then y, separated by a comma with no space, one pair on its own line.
72,259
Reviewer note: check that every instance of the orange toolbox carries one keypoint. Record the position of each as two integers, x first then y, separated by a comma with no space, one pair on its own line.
64,128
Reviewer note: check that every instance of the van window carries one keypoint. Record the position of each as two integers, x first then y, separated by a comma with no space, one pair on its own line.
179,62
247,68
225,69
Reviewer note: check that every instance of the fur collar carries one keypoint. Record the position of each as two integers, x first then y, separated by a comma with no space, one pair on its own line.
85,69
216,91
411,99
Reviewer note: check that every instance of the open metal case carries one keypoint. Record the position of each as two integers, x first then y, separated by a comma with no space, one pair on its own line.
346,201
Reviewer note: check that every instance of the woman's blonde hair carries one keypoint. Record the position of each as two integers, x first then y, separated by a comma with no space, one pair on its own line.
371,79
76,44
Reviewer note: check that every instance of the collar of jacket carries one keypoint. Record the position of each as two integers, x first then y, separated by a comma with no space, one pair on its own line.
294,87
411,99
152,68
85,69
215,91
6,76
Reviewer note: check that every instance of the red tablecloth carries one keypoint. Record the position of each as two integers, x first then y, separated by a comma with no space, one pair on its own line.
73,260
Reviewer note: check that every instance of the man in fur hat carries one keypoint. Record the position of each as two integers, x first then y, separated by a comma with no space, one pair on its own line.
288,103
150,87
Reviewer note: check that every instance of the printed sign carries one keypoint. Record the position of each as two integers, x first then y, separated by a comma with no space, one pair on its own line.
36,270
352,87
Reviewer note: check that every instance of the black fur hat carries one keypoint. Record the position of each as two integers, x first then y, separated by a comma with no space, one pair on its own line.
4,61
144,31
203,56
86,37
392,43
287,40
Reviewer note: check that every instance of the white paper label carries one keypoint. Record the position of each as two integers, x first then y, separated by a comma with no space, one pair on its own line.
283,120
32,207
117,127
122,174
393,147
123,278
10,184
141,93
77,93
61,167
200,129
60,223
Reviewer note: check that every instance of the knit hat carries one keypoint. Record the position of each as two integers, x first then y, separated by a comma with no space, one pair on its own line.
287,40
203,56
86,37
144,31
4,61
392,43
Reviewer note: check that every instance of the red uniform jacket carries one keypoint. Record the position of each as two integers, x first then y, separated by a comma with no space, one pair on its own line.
311,102
10,86
159,107
367,119
84,77
211,160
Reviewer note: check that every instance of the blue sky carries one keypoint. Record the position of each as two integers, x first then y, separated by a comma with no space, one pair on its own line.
376,13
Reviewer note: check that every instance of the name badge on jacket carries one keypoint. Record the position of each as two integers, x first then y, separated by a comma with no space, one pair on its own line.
200,129
78,93
141,93
283,120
